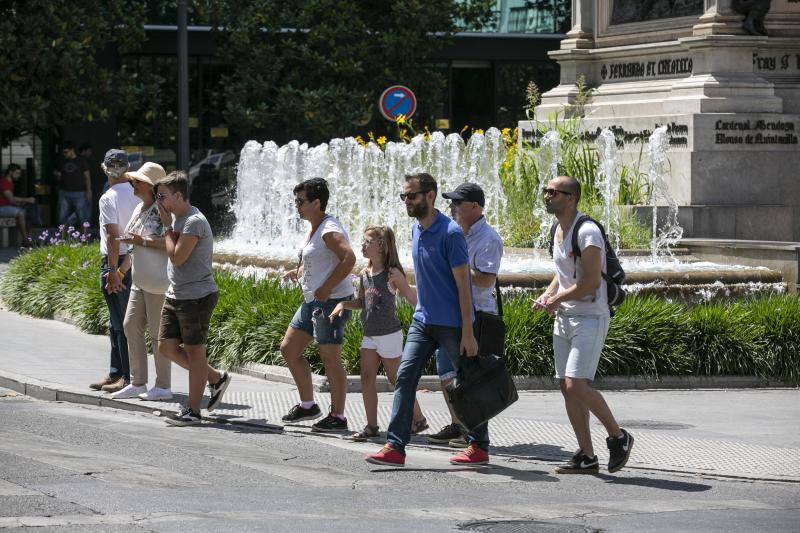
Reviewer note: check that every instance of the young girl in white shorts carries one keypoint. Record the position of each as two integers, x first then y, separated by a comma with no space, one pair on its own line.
383,333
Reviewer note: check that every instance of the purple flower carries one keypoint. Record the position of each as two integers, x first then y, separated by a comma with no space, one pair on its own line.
61,227
70,229
42,237
76,234
85,224
60,259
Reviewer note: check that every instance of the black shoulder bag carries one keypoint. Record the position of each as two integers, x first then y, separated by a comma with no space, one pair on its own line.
483,387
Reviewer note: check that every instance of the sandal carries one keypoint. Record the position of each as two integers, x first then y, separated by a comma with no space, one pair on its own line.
369,432
418,426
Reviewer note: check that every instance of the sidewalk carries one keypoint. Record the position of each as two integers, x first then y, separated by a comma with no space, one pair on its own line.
750,434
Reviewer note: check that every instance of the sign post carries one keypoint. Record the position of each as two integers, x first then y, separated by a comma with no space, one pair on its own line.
397,100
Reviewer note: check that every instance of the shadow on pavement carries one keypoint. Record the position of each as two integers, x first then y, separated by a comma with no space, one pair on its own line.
656,483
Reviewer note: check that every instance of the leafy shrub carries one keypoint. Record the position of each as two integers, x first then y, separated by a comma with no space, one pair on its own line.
648,336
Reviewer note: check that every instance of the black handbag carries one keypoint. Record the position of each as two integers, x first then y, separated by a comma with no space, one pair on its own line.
483,387
490,330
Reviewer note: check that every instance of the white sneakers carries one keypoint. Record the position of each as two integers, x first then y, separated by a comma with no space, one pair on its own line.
128,392
155,394
133,391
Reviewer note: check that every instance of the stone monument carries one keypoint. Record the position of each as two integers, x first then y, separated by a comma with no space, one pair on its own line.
729,95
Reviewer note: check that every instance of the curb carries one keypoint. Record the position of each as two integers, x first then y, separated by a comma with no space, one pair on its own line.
320,383
42,390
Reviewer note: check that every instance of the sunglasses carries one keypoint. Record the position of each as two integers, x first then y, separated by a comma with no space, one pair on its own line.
412,195
553,192
300,201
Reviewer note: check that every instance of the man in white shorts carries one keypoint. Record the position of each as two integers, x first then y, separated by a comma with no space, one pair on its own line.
577,296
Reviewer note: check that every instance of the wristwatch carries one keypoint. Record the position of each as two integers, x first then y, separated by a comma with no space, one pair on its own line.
167,229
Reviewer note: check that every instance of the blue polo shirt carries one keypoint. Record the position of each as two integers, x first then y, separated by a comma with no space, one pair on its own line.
436,251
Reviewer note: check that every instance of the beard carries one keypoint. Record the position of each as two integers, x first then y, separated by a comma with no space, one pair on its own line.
418,211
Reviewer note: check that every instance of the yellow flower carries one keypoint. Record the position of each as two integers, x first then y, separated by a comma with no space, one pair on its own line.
479,131
400,120
381,140
506,132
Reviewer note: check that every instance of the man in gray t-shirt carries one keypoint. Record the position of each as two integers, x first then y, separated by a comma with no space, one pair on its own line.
194,278
191,296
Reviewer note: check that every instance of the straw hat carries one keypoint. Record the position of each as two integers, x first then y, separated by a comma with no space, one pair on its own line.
150,173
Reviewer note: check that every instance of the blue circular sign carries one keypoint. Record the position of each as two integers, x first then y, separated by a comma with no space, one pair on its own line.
397,100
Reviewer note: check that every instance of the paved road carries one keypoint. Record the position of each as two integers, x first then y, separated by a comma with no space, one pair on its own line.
66,467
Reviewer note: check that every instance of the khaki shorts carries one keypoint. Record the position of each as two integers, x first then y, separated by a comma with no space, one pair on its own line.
187,320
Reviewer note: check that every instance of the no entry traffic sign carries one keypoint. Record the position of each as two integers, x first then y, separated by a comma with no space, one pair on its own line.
397,100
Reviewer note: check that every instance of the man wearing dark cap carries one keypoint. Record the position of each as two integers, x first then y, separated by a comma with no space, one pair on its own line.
116,207
485,248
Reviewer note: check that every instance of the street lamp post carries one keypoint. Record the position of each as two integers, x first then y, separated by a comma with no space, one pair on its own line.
183,89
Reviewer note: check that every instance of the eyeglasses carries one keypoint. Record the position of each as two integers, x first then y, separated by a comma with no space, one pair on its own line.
162,195
412,195
298,201
553,192
456,203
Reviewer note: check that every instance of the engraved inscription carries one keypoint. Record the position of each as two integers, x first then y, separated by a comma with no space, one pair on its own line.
678,66
754,132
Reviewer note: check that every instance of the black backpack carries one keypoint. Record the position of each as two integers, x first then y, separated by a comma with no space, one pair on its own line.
614,274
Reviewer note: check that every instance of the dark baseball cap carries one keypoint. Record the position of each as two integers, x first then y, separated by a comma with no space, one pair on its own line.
115,155
470,192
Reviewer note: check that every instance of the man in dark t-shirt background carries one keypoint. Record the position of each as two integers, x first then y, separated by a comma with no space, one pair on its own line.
75,187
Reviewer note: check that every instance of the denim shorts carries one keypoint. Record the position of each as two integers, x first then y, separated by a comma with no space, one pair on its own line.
577,344
444,366
10,210
313,318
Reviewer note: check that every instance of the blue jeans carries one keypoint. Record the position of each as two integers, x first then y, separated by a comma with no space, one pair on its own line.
70,202
117,304
421,342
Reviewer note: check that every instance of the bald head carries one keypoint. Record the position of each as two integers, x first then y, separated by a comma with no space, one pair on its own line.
571,185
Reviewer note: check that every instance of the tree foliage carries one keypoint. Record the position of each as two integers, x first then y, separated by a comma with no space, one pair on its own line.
52,61
316,68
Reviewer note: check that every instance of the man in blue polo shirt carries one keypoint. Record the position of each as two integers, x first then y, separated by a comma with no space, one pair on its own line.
443,317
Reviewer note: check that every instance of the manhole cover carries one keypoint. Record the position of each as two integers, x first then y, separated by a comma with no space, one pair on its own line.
653,424
524,526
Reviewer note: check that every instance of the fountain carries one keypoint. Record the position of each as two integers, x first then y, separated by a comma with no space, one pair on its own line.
365,182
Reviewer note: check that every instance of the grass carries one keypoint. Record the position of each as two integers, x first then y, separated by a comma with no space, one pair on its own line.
648,336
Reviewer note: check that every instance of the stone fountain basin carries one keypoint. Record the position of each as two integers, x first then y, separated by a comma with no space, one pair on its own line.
687,279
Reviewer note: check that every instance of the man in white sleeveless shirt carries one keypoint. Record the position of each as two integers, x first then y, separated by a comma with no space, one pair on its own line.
577,296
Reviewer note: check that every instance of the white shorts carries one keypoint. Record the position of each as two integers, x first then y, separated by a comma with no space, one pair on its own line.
388,346
577,343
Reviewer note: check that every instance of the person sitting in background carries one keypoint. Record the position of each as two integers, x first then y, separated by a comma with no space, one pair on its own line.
14,206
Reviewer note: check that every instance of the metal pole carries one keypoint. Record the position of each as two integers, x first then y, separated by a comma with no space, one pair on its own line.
183,89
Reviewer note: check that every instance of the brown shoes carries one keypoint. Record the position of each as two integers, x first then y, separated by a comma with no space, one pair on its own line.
103,382
115,386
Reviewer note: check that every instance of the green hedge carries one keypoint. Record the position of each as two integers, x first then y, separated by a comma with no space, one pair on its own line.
648,336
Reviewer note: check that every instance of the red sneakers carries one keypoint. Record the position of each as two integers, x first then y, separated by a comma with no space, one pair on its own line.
473,455
388,456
